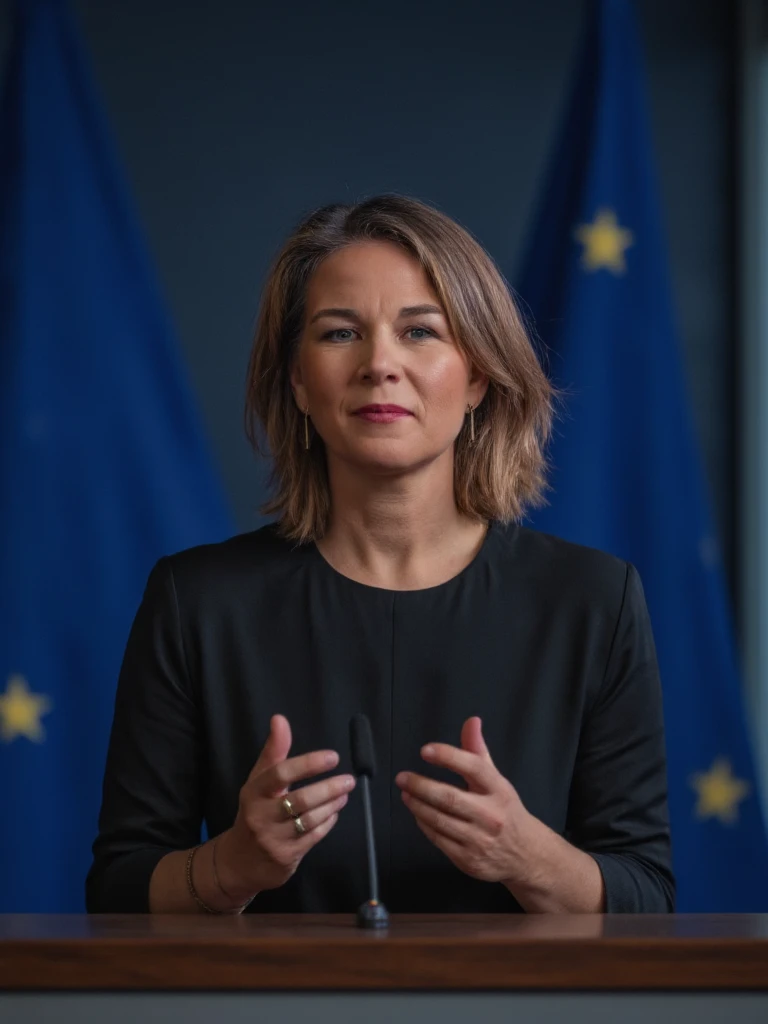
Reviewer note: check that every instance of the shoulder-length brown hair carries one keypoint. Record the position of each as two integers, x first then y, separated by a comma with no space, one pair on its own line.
499,475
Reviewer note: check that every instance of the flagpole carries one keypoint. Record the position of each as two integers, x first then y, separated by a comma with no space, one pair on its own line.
753,428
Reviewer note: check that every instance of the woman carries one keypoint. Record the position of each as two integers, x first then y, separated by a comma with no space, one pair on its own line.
510,677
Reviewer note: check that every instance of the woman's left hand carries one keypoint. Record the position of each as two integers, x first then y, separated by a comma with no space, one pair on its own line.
484,830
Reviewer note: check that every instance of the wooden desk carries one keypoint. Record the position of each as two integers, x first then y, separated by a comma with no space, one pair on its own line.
711,968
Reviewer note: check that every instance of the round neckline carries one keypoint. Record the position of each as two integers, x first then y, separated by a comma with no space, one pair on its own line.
478,558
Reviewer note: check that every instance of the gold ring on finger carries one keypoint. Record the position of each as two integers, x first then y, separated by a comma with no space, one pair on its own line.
299,825
290,809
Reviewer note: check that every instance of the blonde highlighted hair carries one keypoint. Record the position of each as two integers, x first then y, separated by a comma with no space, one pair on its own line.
498,476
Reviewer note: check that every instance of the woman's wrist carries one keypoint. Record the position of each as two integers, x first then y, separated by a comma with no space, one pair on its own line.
226,877
529,878
554,876
205,884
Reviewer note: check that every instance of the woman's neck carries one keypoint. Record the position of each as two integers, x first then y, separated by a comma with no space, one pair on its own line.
400,533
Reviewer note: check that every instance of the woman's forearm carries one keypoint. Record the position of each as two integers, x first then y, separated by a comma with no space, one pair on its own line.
169,891
557,878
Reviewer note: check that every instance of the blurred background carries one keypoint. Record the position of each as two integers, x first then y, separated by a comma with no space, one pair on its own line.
233,120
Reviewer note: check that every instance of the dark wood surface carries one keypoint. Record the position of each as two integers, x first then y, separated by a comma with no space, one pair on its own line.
582,952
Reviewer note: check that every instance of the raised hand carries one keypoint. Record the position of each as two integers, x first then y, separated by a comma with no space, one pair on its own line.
264,847
483,830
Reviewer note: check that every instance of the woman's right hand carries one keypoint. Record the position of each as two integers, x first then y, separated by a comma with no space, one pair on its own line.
263,848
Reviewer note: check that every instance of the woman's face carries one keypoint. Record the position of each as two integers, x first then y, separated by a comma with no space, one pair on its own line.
369,341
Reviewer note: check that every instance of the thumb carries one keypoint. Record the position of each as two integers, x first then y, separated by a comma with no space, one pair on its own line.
472,737
277,746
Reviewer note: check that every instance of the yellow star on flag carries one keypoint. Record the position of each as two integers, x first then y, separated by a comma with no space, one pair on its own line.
604,243
719,792
21,710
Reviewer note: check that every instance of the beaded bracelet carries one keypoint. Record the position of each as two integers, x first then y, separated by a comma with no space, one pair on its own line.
193,892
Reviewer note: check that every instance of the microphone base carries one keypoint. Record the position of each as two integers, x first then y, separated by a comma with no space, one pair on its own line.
372,914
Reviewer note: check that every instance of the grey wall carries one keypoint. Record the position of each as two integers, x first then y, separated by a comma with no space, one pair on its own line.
234,118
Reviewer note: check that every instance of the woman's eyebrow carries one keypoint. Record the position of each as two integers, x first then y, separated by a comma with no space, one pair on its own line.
352,314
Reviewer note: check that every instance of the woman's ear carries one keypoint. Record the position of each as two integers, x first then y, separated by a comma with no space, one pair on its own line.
478,386
297,386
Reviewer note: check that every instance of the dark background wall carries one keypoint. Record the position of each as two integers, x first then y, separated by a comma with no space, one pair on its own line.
235,118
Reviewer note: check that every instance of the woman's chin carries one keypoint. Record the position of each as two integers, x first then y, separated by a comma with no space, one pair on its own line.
387,457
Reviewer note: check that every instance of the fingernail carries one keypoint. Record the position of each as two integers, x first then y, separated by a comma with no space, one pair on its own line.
428,751
331,759
349,782
401,778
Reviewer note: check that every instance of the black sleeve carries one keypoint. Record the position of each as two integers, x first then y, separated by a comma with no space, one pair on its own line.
618,802
151,801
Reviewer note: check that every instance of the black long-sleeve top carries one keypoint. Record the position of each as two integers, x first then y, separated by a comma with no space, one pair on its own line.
549,642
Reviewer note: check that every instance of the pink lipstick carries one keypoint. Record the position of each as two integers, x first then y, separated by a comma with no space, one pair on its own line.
381,413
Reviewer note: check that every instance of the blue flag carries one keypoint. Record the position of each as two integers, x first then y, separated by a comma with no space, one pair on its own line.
627,476
103,463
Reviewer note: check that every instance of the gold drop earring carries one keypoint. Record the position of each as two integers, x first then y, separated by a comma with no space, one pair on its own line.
471,412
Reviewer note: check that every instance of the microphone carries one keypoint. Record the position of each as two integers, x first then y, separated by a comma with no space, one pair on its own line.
372,913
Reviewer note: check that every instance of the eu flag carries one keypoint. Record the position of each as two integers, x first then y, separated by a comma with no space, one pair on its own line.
103,463
627,476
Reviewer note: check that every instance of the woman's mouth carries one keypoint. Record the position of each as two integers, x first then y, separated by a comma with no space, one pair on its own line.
381,413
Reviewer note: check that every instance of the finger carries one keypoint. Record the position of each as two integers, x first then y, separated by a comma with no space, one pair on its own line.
448,799
279,777
318,793
276,748
314,818
455,851
444,824
303,844
478,771
472,737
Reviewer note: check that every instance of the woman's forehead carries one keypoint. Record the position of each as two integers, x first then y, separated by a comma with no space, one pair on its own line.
370,273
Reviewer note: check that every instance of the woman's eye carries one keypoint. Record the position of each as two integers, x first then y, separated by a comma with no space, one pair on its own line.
425,332
339,330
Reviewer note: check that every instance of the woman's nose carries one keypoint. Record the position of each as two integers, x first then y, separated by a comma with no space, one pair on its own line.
379,359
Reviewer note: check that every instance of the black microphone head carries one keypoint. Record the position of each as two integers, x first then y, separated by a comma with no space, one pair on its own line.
361,745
